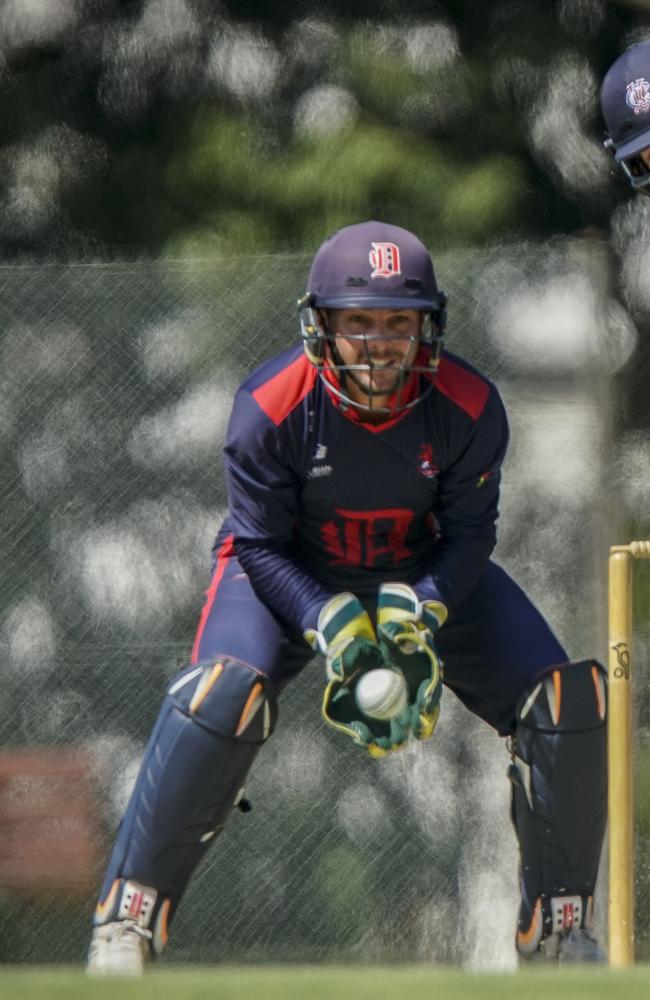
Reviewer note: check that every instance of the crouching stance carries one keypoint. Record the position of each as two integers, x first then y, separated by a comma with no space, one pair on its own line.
211,725
363,471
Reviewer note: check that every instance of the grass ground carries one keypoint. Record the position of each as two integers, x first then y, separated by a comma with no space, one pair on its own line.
327,983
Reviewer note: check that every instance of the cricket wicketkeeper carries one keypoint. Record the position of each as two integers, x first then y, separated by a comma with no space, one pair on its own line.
363,482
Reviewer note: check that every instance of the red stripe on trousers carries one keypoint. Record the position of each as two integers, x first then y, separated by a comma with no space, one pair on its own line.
223,555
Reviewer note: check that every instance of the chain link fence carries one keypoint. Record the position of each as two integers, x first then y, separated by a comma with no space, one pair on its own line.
116,384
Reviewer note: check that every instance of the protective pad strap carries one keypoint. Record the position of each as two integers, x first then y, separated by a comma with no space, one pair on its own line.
559,802
209,730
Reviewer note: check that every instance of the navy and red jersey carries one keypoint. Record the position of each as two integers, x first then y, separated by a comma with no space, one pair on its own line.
321,502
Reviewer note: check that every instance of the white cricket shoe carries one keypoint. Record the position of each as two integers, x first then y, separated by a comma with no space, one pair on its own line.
119,948
579,945
576,946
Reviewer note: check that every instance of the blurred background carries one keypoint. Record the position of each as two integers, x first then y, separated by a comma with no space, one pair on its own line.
168,167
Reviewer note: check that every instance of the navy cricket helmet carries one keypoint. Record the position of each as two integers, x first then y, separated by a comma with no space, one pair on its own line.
371,265
625,103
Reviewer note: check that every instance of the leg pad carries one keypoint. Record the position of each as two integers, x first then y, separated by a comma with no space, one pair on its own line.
212,723
559,802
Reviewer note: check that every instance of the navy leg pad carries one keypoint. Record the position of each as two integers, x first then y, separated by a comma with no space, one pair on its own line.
210,727
559,803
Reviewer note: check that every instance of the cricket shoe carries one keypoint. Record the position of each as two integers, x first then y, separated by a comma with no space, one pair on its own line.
119,948
573,947
560,932
579,945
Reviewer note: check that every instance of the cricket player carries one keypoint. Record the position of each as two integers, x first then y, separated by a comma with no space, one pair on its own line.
625,104
363,482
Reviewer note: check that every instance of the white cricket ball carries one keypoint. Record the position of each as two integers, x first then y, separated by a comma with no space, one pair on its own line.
381,694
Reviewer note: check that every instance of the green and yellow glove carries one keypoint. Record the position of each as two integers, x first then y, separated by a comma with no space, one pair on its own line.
347,639
406,626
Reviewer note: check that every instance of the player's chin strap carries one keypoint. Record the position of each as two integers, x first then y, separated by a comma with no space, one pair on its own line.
559,802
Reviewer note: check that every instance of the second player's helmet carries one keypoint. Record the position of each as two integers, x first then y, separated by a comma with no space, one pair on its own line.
625,103
372,265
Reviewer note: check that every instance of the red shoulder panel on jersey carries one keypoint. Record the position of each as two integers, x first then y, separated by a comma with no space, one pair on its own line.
463,387
284,391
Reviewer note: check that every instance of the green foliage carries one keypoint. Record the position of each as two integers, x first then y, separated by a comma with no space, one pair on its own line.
162,139
483,200
370,60
220,232
223,155
296,195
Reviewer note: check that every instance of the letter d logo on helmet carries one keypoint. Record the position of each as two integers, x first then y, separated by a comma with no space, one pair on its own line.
384,260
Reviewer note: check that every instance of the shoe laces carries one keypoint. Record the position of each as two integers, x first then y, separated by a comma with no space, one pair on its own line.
131,927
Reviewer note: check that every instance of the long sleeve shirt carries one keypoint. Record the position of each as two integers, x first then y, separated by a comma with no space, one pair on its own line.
322,502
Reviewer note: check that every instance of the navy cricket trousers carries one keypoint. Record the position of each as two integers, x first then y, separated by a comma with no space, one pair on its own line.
492,647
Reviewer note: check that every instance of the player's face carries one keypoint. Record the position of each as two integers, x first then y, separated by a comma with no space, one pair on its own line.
637,168
381,342
645,156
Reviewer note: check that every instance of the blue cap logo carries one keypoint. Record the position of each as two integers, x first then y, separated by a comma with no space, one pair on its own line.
637,95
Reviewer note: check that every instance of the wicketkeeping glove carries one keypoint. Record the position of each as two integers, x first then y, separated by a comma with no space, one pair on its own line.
347,639
406,626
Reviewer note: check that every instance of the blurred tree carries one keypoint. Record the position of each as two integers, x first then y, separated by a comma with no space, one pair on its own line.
132,127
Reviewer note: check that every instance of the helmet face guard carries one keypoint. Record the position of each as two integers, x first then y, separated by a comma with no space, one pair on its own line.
319,341
373,266
634,167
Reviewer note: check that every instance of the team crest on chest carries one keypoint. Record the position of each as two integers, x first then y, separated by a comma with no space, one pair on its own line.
637,95
426,465
384,260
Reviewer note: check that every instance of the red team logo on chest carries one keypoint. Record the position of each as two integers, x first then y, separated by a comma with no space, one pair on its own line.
426,466
367,537
384,260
